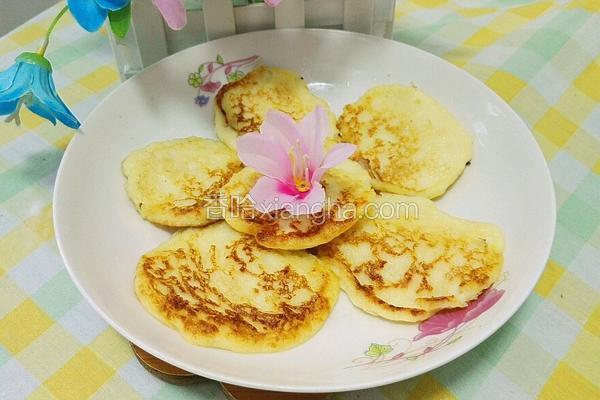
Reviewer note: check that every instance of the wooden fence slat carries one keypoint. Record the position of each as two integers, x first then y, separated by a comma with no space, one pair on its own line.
358,15
323,13
149,32
253,17
218,18
290,14
192,34
149,40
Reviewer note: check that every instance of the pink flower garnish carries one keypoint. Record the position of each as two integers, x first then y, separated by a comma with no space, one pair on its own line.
173,12
292,159
272,3
447,320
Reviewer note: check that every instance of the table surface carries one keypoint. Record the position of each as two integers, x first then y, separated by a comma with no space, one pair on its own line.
542,57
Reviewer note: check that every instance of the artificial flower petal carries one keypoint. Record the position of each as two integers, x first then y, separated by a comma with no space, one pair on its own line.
88,14
272,3
281,126
7,77
44,90
314,128
112,5
8,107
268,195
173,12
19,85
42,110
310,204
337,154
264,154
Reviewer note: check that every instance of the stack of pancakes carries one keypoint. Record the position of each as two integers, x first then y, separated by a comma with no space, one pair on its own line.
252,282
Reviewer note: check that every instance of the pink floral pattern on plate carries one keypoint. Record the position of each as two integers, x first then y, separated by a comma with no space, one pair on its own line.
211,75
452,323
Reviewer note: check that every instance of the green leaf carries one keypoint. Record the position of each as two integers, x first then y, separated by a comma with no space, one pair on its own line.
377,350
120,21
220,59
201,68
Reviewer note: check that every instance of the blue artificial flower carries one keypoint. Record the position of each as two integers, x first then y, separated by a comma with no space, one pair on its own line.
29,82
91,14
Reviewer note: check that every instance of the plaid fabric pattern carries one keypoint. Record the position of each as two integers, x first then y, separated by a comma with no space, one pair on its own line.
543,57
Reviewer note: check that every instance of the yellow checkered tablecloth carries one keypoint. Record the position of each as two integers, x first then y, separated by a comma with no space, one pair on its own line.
543,57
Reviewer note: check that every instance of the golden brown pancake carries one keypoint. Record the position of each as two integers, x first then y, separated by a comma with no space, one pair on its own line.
415,263
409,143
347,187
171,183
219,288
241,105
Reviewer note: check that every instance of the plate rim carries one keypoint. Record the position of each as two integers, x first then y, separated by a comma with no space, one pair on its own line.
493,326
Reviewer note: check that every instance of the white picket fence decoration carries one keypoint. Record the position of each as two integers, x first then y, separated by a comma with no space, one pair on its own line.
149,40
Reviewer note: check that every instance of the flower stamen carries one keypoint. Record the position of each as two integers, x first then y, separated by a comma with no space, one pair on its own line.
300,171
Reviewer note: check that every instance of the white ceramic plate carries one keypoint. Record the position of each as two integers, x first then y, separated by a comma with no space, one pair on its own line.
101,237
